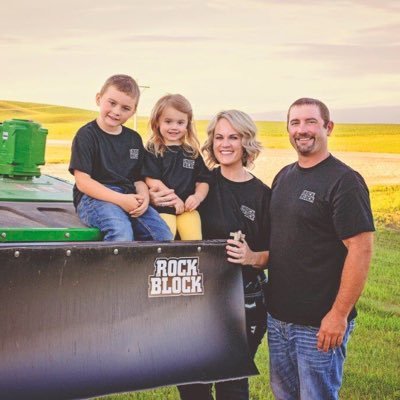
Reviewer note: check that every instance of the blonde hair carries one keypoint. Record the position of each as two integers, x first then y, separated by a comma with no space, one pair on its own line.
124,83
156,144
244,126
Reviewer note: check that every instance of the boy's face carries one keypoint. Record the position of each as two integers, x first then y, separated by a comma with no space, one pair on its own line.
116,108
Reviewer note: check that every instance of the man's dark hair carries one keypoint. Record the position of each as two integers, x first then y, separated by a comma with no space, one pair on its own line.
323,109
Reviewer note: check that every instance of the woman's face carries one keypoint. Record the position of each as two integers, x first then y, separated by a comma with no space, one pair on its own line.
227,144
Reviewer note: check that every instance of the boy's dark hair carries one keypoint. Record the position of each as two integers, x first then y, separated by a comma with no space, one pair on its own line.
124,83
323,109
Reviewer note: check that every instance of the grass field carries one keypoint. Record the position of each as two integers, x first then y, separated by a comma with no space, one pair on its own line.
373,363
63,122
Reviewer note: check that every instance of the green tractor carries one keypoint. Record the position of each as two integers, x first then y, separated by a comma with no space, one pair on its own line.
80,317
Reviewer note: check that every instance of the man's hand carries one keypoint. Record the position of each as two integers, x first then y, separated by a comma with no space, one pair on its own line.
332,330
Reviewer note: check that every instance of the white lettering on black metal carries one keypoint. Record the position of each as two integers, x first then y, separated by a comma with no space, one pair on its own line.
176,277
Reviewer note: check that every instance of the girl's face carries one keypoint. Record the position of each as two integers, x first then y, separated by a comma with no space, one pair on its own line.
227,144
173,126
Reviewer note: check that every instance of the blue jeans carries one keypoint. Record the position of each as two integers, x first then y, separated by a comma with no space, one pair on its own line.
298,370
116,225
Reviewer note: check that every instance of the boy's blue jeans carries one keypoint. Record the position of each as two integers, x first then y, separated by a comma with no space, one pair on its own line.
298,370
117,225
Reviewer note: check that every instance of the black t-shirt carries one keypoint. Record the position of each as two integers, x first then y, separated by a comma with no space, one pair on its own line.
312,211
232,206
109,159
177,170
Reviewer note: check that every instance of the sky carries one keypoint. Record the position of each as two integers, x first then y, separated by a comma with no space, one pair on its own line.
254,55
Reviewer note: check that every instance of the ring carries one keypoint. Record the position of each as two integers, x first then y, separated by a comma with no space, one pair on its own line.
163,204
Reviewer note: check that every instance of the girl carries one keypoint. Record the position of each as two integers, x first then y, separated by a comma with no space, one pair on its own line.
173,161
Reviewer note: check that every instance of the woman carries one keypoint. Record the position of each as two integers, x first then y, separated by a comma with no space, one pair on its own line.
236,201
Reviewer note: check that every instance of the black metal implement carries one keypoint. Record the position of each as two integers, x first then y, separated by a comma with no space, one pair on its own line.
79,320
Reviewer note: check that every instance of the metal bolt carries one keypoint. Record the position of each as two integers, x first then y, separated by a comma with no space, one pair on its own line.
16,254
68,253
159,250
3,234
199,249
116,251
67,234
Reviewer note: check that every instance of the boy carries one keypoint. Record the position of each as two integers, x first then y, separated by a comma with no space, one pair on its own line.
106,160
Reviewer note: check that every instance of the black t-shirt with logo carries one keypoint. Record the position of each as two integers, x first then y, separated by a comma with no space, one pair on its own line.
232,206
177,170
109,159
312,211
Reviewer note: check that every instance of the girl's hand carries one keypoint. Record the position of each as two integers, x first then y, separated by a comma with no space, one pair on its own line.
239,252
192,202
179,206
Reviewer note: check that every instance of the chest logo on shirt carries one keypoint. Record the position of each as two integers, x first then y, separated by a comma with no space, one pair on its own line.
248,212
176,277
307,196
133,154
188,163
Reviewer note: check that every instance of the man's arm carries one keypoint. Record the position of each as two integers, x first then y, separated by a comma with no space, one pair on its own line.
354,275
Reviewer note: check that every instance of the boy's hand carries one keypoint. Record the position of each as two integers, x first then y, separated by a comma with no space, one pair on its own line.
142,208
179,206
192,202
130,202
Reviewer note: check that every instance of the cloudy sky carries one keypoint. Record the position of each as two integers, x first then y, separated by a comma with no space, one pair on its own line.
254,55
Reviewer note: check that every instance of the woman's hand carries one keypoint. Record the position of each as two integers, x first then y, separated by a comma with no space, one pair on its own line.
239,252
163,198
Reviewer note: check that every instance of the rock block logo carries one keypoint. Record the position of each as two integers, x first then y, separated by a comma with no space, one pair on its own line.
176,277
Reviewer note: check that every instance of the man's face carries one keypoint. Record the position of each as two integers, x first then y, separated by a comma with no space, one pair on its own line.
307,133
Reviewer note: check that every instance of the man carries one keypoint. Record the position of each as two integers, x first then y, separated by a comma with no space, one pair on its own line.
320,251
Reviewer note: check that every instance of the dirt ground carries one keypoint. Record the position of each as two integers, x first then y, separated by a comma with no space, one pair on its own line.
376,168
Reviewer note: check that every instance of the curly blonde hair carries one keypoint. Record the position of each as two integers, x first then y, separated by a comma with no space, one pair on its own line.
245,127
156,144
